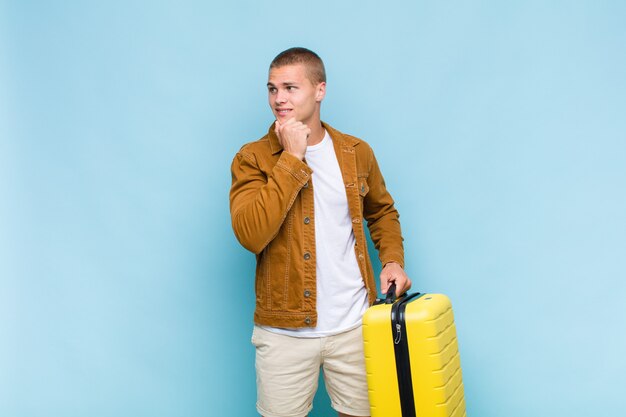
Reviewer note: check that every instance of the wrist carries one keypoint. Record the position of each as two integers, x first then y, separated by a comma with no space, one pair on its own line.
299,155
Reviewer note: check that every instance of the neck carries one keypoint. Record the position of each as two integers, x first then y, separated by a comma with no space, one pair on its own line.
317,134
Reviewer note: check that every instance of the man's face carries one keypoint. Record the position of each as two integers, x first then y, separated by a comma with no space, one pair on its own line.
292,94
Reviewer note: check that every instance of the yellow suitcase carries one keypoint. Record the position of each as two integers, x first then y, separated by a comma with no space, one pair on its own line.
412,357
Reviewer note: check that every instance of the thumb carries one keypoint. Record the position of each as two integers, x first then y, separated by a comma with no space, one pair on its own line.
384,284
277,127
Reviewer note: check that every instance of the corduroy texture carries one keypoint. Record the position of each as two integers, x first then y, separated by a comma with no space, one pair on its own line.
270,198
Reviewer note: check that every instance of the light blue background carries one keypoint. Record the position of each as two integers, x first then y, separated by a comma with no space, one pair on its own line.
500,128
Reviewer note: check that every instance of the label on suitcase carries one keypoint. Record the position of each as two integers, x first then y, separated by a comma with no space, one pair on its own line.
412,358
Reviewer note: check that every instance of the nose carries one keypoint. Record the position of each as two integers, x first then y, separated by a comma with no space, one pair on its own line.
281,97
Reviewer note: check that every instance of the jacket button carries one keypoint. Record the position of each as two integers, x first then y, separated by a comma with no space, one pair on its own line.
307,320
362,188
307,220
356,220
307,293
307,256
306,184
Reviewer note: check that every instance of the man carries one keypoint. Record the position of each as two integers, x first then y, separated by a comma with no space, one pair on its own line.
298,199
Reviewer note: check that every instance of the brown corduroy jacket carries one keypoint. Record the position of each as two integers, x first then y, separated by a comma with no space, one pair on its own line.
271,207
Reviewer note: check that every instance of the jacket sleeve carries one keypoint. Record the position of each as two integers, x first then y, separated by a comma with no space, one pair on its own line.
259,202
382,217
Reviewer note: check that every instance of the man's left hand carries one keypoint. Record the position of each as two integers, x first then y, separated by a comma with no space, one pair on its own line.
393,272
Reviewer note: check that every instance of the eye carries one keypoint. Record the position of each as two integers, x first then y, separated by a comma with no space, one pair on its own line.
290,88
272,90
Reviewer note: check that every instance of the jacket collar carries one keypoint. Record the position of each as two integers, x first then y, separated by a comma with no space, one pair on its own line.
343,139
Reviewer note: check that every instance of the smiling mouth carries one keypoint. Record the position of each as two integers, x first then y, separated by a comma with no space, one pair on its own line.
283,112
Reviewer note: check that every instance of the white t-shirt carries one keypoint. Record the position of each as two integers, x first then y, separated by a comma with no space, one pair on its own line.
341,293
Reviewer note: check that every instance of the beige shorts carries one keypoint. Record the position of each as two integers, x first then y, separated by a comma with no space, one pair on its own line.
287,372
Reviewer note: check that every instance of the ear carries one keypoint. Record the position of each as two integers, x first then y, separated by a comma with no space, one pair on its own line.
320,92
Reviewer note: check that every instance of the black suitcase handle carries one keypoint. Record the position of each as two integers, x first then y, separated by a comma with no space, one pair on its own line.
391,294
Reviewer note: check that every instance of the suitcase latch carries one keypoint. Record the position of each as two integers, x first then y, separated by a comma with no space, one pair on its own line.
398,334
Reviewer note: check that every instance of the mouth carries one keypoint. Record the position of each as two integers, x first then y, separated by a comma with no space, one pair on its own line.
282,112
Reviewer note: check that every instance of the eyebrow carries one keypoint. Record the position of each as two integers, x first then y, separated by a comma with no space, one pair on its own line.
287,83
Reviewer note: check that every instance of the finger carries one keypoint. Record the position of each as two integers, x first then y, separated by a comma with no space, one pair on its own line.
406,285
277,128
385,282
